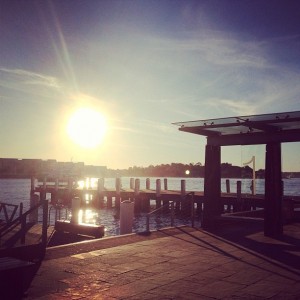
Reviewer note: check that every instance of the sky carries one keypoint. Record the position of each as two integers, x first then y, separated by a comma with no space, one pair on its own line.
143,65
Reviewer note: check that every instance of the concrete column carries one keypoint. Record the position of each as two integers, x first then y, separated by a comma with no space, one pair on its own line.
273,225
212,186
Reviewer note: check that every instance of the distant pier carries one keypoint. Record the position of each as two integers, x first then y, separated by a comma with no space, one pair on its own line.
97,197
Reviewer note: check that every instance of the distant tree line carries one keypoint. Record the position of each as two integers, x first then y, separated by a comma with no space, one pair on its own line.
185,170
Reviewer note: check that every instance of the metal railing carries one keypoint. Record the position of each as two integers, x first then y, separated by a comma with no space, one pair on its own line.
9,216
171,206
22,222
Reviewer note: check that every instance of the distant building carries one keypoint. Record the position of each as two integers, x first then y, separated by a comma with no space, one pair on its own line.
25,168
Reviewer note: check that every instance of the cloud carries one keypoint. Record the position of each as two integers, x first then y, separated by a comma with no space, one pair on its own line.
217,48
30,78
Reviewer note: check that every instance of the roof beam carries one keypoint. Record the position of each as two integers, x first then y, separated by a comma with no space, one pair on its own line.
284,136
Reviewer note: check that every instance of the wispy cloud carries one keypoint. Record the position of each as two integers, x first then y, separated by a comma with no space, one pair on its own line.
30,78
218,49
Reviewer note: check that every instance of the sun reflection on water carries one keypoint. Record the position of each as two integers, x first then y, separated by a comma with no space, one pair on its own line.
87,216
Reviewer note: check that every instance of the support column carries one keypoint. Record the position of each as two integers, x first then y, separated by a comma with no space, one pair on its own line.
273,223
212,186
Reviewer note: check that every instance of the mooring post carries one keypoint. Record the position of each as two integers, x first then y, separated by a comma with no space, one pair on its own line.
34,201
172,214
118,192
44,189
137,200
147,183
109,201
184,200
45,226
158,193
166,184
239,195
75,210
32,185
131,183
126,216
166,202
100,194
228,192
227,186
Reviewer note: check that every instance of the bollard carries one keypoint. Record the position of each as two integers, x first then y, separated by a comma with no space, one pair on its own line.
126,217
75,210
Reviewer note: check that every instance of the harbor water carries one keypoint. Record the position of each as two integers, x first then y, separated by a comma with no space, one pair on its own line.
15,191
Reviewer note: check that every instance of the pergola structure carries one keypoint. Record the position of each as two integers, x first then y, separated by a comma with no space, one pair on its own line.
270,129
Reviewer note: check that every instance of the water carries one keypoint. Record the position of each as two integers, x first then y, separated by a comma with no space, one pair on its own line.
15,191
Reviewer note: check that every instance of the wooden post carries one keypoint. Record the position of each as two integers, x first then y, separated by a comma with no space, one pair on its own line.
273,225
228,192
132,183
158,193
166,202
75,210
147,183
32,185
137,201
184,200
109,201
45,226
239,195
212,186
166,184
34,201
44,189
227,186
118,192
100,194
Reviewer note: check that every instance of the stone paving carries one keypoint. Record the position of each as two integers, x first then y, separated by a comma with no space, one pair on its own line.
179,263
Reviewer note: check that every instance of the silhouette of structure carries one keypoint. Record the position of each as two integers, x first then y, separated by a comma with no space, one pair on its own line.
269,129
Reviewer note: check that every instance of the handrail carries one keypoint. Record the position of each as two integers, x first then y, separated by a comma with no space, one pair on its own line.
21,220
171,203
3,206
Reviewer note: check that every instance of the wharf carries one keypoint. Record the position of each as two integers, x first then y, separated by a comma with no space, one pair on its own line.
234,262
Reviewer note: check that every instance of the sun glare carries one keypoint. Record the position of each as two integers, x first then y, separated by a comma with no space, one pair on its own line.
86,127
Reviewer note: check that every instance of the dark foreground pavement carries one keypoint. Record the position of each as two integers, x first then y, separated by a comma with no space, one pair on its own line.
176,263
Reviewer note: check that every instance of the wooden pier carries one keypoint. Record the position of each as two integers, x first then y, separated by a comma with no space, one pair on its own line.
99,197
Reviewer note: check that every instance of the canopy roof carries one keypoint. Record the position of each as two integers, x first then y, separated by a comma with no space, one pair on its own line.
247,130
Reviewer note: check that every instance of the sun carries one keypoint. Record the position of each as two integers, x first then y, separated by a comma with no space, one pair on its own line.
87,127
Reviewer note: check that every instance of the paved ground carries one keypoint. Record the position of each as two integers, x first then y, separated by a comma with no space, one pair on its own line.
181,263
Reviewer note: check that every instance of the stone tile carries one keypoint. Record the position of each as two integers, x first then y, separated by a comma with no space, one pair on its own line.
219,289
247,277
263,288
128,290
